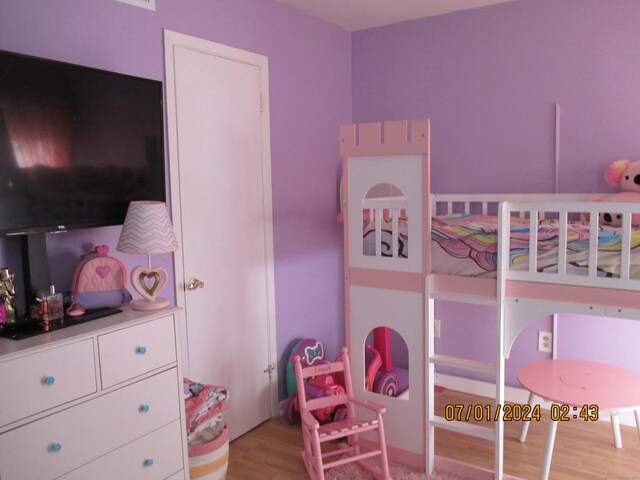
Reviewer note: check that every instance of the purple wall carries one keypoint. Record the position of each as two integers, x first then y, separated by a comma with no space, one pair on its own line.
310,94
488,79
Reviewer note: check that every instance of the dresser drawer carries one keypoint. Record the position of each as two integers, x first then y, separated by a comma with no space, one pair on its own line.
43,380
136,350
178,476
154,456
62,442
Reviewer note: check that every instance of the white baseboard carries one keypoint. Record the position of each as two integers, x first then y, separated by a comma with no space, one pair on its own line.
511,394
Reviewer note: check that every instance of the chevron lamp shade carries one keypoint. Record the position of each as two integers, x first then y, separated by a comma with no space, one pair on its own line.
147,229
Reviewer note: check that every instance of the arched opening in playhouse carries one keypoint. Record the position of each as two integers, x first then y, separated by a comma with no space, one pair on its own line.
384,227
386,363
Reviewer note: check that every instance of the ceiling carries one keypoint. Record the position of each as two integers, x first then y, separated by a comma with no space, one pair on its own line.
354,15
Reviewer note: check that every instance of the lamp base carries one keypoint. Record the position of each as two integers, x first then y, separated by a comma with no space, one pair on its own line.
148,282
155,304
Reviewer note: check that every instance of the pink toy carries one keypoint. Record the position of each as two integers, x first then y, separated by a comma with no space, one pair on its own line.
373,366
382,376
626,175
311,352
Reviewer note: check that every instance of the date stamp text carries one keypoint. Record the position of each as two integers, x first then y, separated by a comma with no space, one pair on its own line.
515,412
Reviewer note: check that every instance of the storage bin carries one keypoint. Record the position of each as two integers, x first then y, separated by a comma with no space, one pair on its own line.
209,461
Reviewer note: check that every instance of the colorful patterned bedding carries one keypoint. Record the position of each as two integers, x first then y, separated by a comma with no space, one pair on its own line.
467,245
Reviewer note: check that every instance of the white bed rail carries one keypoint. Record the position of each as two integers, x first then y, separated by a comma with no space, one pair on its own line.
487,204
389,211
563,208
565,211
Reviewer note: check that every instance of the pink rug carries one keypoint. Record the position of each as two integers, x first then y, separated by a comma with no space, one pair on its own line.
398,472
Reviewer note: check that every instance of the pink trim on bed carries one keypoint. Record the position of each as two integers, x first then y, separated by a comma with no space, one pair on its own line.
395,135
389,279
347,260
486,287
426,205
574,293
483,287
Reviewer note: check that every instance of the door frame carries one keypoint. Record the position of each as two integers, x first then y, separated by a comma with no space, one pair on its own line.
173,40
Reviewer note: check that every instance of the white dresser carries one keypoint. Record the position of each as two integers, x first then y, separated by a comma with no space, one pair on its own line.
98,400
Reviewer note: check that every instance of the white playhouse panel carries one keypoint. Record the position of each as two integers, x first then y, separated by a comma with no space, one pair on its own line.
402,311
403,172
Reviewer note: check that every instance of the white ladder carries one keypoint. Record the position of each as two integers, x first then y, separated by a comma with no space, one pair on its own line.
494,432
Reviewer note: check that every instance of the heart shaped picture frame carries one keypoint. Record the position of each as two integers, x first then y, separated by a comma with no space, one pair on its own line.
148,283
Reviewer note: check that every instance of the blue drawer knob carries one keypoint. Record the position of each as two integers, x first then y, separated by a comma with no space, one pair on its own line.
141,350
55,447
144,408
49,380
148,462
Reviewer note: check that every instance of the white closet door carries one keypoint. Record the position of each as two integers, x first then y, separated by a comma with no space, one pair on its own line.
217,99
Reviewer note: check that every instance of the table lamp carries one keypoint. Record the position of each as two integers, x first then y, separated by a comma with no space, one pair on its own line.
146,230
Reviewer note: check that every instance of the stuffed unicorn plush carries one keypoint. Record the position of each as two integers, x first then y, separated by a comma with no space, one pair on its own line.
625,174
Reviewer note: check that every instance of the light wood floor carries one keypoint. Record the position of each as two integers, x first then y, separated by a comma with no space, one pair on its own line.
583,450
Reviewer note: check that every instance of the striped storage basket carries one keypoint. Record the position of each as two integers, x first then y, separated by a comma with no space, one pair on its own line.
209,461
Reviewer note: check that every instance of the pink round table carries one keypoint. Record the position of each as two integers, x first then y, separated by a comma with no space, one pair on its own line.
573,384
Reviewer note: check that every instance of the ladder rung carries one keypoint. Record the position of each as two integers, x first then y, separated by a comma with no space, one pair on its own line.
463,363
465,428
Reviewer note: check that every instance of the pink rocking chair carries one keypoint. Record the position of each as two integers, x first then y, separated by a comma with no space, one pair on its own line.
315,434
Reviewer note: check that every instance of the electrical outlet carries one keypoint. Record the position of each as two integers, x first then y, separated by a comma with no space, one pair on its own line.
545,341
436,328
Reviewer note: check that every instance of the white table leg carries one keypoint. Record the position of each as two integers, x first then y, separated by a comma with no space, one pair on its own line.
615,426
525,424
636,413
548,450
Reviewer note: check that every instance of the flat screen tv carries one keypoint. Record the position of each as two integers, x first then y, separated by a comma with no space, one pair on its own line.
77,144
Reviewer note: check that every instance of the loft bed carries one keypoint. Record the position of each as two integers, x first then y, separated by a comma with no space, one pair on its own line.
396,266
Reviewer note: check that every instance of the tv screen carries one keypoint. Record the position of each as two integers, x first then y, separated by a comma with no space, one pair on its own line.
77,144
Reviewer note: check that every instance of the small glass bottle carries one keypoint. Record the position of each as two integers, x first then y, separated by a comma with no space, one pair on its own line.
54,302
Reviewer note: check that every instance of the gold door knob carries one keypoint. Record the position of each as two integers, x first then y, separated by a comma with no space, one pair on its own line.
194,284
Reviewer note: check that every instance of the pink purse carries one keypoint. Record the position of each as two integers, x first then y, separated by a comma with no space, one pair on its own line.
100,281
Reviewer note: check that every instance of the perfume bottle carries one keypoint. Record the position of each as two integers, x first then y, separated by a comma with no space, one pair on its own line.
51,305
